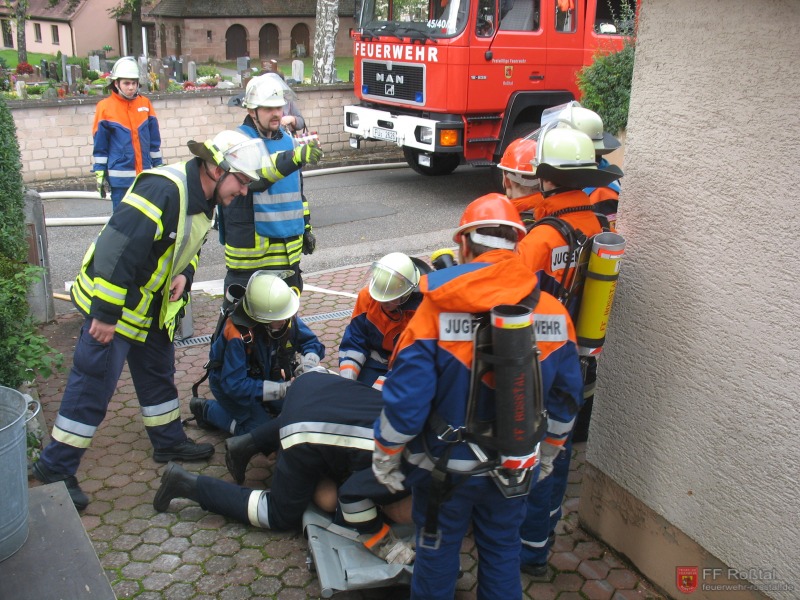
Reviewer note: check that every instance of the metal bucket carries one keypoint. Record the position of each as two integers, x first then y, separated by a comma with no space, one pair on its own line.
13,472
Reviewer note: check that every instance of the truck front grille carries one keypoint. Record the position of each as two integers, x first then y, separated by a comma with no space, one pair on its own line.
403,82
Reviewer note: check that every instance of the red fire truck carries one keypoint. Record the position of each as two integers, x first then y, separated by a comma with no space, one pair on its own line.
454,81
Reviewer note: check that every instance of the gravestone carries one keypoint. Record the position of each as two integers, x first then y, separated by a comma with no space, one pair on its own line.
103,66
21,89
298,69
163,78
94,62
192,72
242,64
44,68
64,68
142,62
52,71
179,70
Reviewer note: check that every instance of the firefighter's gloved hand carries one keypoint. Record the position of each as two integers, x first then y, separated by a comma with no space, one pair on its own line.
100,177
387,546
275,390
548,453
309,361
309,242
386,466
307,154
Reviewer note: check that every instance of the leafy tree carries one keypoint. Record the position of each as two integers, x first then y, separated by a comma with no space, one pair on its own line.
325,41
20,16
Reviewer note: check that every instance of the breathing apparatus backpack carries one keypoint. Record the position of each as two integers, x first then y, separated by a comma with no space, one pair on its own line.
505,438
587,290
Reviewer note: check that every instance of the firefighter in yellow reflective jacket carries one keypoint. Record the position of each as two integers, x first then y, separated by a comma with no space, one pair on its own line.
133,284
270,228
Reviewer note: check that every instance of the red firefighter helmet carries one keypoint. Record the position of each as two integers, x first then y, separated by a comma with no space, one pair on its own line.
518,162
490,210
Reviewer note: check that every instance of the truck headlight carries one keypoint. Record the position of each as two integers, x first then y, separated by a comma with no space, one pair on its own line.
425,135
352,120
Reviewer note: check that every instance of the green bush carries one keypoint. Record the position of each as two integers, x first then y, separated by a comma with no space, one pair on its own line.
606,86
23,352
206,70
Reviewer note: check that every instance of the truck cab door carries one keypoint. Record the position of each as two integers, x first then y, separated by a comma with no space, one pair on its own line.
510,30
564,21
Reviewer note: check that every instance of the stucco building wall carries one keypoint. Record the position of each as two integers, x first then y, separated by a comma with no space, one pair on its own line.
693,450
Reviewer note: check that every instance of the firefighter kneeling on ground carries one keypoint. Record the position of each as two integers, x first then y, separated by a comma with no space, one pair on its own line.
431,373
324,433
253,360
382,311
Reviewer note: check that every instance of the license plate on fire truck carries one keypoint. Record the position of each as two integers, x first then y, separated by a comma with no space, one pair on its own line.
384,134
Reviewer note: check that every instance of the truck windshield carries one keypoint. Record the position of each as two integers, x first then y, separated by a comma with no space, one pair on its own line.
416,20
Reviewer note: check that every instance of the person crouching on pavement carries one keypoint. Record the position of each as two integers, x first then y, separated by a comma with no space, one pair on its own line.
253,360
324,432
382,311
132,286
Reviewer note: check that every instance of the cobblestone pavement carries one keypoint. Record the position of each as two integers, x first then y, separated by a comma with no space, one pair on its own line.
186,553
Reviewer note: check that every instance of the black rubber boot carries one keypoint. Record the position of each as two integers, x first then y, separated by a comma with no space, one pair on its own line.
238,452
176,482
186,450
197,406
76,494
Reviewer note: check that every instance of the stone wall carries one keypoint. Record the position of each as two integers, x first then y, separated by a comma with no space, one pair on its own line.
55,137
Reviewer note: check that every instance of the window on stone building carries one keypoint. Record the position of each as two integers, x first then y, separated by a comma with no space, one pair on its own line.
209,36
37,32
54,33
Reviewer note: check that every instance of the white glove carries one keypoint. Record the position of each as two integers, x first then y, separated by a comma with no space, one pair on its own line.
274,390
548,453
309,361
386,467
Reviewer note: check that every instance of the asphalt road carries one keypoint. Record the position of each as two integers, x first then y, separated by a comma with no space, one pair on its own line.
358,217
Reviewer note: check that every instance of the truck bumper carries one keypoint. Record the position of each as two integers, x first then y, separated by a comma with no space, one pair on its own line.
425,134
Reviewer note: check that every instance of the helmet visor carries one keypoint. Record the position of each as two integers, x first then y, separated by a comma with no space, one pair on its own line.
246,157
387,284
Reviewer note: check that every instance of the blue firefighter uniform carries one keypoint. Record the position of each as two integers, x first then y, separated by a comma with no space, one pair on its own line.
324,431
430,371
154,235
264,230
371,335
245,357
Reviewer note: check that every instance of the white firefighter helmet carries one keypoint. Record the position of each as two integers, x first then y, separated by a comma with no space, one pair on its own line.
566,157
233,151
264,90
125,68
585,120
267,298
393,276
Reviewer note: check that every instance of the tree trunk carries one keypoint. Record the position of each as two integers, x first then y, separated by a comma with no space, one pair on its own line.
325,41
136,28
21,14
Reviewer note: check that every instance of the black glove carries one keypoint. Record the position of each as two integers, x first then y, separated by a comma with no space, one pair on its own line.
309,153
309,242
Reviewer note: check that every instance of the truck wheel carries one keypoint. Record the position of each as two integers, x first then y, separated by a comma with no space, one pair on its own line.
519,130
441,164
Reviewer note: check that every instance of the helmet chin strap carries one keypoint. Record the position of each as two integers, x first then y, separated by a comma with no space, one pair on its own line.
217,182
